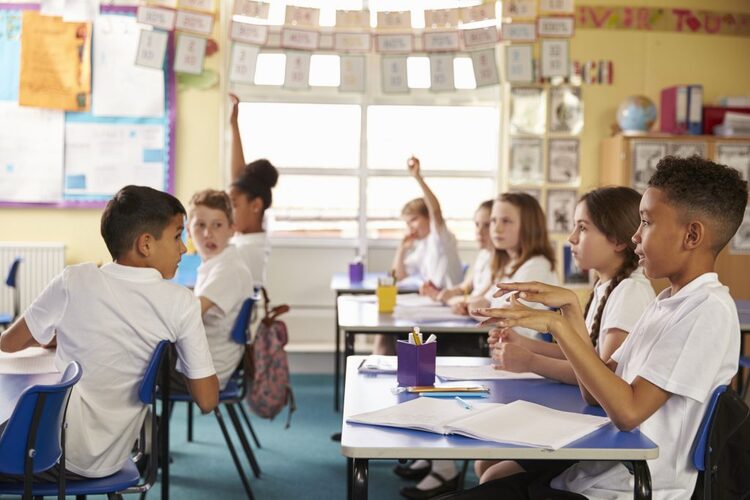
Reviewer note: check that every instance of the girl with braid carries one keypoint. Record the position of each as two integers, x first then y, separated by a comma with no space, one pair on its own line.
605,221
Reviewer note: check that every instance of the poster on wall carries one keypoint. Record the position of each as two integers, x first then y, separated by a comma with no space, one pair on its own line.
528,110
526,165
741,241
688,149
645,155
736,156
519,63
566,110
555,58
563,161
561,204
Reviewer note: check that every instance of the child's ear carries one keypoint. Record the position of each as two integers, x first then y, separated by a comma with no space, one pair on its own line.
257,204
695,235
620,247
144,244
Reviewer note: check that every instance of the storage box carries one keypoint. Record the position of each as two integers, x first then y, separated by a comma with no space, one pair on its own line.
416,363
356,272
714,115
386,295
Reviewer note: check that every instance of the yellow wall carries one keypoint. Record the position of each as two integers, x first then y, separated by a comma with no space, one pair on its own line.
643,64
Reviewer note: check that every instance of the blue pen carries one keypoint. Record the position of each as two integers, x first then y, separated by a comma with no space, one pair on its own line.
465,404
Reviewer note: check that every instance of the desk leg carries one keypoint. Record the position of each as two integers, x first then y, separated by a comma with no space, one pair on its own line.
359,479
348,348
337,360
642,489
349,477
164,431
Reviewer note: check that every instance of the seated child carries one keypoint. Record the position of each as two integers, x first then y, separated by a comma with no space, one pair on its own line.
110,319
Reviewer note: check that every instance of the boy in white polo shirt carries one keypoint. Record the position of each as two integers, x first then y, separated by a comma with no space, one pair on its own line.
684,346
223,283
110,320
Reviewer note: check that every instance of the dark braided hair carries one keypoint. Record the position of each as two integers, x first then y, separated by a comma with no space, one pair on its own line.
614,212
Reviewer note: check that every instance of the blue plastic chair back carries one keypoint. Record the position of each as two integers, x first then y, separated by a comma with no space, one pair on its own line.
701,440
11,280
15,436
147,389
242,323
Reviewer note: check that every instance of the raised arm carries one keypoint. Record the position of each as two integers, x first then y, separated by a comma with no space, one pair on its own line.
433,205
238,157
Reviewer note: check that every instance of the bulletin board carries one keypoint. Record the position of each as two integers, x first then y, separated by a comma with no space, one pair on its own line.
79,159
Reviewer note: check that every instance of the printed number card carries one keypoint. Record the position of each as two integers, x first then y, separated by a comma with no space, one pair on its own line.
485,67
299,39
519,9
556,26
480,12
353,19
394,20
242,67
201,5
152,47
191,50
393,71
297,76
194,22
157,17
480,36
255,34
555,58
395,44
519,32
250,8
557,6
352,74
302,16
441,72
441,41
352,42
441,18
519,67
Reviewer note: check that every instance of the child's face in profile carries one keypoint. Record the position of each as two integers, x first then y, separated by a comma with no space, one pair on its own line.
247,213
168,249
210,230
505,226
590,247
417,225
482,228
659,237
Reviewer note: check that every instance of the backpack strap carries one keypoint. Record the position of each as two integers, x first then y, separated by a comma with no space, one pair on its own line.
292,406
271,313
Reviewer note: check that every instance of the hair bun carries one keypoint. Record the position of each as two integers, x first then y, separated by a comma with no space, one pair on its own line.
262,171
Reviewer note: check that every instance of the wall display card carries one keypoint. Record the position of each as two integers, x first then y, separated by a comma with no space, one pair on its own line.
249,33
242,65
52,7
525,161
31,164
201,5
519,9
80,11
352,74
560,27
170,4
478,12
194,22
441,72
485,67
352,42
741,241
101,158
157,17
441,41
250,8
519,63
566,110
519,32
395,44
399,20
353,19
302,16
190,53
10,54
563,160
122,88
557,6
534,193
555,58
393,71
299,39
480,36
687,149
528,111
736,156
55,70
561,205
152,47
441,18
297,75
645,155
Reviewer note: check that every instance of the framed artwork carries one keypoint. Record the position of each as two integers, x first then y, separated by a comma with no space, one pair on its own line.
563,161
519,63
736,156
566,110
644,156
525,161
561,204
687,149
536,193
741,241
528,111
572,274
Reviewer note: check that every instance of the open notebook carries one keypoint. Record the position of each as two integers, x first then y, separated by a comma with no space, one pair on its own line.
519,422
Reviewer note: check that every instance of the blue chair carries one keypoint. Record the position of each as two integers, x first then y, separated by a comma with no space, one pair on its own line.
744,368
701,451
232,398
33,440
12,281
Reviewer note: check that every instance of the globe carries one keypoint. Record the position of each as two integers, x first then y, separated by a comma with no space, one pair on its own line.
636,114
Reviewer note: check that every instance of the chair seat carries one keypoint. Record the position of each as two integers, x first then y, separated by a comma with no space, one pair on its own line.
127,477
231,391
6,319
745,361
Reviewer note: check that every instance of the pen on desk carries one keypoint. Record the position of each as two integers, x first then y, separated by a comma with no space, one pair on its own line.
464,404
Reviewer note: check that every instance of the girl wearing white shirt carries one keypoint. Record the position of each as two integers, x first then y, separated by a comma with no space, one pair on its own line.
605,221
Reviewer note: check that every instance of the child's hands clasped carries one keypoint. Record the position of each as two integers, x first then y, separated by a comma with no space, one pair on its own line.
517,314
550,296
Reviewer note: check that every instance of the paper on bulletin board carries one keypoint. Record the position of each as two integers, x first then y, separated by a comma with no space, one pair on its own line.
120,88
10,50
31,164
55,63
101,158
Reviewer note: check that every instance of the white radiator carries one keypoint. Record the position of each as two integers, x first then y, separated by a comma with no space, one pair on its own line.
40,263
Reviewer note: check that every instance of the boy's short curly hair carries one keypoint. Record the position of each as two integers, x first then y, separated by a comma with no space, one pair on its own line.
212,198
699,186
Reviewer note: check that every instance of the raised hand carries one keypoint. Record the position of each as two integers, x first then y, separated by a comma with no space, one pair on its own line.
550,296
414,167
233,117
517,314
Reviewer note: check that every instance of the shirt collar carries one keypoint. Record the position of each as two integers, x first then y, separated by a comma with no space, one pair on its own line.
692,287
130,273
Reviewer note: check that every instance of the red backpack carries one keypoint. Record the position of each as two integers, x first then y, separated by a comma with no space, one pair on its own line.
270,390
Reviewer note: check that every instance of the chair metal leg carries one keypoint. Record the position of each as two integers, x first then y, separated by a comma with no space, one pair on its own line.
235,458
462,479
243,438
190,421
246,418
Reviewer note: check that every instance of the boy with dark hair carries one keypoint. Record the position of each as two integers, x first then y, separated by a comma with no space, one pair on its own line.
684,346
110,320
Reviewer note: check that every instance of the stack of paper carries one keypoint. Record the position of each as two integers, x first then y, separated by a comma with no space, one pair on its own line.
426,313
378,364
483,372
31,360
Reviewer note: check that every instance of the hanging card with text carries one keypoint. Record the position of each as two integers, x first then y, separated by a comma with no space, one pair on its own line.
255,34
393,71
297,74
441,41
190,54
352,74
485,67
242,65
441,73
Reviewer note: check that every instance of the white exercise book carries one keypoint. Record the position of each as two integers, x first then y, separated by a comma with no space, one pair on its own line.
426,313
483,372
519,422
31,360
376,363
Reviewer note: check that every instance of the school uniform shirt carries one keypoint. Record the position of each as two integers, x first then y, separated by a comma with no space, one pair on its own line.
481,273
435,258
624,306
110,320
226,281
687,344
255,250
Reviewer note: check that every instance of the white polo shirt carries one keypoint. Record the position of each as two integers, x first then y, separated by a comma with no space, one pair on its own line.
110,320
255,249
687,345
435,258
481,273
224,280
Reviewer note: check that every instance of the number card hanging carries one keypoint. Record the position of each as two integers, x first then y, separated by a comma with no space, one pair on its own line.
393,71
194,22
202,5
519,67
352,42
250,8
441,41
558,26
152,47
557,6
352,74
157,17
519,9
485,67
297,75
255,34
242,66
555,58
519,32
353,19
441,73
302,16
441,18
299,39
478,13
480,36
396,44
189,55
394,20
170,4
